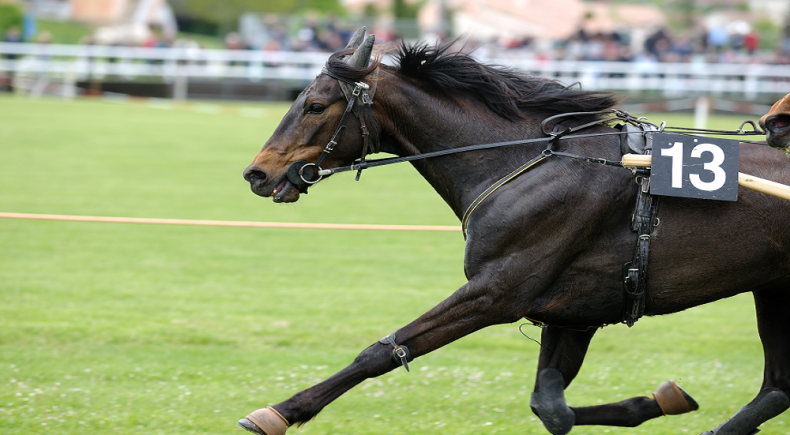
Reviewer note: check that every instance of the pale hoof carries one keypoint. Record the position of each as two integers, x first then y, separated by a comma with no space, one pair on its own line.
673,400
265,421
250,427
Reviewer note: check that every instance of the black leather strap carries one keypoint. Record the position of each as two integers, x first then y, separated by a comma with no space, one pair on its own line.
643,222
400,354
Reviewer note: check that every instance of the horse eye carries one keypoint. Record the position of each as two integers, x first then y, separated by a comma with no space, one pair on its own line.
315,108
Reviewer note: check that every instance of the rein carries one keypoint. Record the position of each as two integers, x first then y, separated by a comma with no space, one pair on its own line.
624,116
304,174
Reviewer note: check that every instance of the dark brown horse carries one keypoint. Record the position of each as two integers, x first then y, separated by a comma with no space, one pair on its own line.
777,124
547,246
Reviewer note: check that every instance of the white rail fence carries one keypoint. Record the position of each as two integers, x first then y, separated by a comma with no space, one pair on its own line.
68,64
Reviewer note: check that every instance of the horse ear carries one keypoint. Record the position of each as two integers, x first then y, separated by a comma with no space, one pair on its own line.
357,38
361,57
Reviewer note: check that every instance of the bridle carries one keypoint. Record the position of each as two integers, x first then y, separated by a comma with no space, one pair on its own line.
304,174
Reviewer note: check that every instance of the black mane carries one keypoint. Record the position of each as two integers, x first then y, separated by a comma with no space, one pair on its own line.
508,92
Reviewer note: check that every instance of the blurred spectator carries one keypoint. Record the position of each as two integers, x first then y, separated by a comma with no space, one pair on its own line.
308,36
29,26
233,41
278,39
12,35
274,35
751,42
718,38
682,49
574,47
596,47
44,39
658,44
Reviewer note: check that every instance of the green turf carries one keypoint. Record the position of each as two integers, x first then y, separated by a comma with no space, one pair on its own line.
144,329
64,32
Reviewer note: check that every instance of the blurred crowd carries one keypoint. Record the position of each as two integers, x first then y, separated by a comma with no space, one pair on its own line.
733,44
715,45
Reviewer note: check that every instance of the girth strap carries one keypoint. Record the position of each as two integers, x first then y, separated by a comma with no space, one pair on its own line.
643,222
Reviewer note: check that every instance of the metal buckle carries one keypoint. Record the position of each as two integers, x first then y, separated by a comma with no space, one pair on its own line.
318,172
358,88
399,351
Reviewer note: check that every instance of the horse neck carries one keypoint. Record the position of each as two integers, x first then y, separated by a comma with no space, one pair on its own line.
438,124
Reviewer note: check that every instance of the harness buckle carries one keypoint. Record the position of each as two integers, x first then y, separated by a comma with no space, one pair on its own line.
400,354
304,174
312,173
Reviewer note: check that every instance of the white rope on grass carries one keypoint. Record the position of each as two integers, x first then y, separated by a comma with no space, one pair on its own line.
211,223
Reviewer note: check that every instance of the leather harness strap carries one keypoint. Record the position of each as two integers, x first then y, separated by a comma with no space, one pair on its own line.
348,88
643,222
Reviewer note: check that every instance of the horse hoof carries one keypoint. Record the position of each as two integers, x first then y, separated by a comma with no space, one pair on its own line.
250,427
265,421
673,400
710,432
549,403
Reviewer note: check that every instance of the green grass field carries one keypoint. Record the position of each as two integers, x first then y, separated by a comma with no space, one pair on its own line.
146,329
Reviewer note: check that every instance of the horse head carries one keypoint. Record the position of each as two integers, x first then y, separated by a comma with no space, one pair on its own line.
318,117
776,124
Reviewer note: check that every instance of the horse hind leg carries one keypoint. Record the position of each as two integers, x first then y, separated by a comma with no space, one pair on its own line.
561,356
773,322
668,399
769,403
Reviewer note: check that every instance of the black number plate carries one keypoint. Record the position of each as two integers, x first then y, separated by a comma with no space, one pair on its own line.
694,167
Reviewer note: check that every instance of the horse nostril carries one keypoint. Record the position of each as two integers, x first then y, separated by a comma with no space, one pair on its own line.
253,175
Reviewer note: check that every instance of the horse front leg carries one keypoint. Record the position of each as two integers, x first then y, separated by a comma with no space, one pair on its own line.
562,353
561,357
773,323
469,309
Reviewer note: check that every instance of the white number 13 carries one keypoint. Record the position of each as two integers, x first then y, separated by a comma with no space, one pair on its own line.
719,176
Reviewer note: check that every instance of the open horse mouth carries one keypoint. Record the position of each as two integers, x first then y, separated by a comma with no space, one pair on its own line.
780,121
285,191
279,189
777,130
